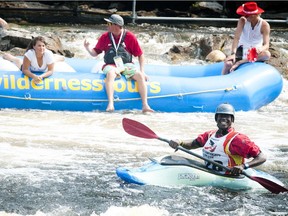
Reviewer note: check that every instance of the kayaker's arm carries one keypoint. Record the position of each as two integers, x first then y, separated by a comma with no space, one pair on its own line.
188,144
258,160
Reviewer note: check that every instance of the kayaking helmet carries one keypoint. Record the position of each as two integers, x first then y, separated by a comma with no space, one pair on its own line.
225,108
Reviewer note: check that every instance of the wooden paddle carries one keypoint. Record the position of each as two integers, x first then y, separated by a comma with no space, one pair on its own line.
138,129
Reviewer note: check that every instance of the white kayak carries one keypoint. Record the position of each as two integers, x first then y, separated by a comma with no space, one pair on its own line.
175,171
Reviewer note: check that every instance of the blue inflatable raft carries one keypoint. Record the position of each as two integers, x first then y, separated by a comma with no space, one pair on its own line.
79,85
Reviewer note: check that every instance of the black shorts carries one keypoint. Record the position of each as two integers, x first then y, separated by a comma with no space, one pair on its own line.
239,53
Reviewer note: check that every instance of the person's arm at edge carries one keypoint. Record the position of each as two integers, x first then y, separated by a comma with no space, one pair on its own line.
237,34
49,72
3,23
25,68
188,144
258,160
91,51
266,36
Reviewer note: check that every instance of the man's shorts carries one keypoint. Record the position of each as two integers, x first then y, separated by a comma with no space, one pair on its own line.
130,70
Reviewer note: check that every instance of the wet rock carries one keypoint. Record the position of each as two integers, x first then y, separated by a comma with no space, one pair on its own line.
148,13
213,6
176,49
17,37
54,44
16,41
215,56
178,54
68,54
205,47
117,6
16,51
5,45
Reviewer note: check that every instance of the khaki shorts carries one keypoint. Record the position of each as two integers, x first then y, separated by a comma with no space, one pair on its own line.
130,70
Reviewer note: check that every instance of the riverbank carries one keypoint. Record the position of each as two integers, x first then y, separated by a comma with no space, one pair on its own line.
218,13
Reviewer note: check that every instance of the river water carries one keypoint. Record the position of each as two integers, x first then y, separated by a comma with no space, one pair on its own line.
63,163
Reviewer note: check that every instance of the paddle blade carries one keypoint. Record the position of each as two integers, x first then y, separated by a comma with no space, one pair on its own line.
138,129
269,185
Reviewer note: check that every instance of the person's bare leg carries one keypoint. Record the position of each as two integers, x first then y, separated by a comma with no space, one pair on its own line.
227,66
109,83
59,58
264,56
237,64
140,78
15,60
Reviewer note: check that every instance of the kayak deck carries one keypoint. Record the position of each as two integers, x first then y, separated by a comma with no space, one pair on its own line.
178,171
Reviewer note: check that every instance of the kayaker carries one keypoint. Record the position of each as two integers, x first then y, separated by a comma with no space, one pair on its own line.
119,45
252,34
225,145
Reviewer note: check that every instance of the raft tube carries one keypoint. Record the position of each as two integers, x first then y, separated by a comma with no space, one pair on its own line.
79,85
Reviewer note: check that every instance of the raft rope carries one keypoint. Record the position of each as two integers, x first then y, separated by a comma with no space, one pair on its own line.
179,95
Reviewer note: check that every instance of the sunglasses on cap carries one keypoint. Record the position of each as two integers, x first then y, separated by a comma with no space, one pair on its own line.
109,24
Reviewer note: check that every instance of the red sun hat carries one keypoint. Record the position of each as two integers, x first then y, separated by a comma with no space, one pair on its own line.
249,8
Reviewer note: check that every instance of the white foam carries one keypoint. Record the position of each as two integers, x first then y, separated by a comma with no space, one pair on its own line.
144,210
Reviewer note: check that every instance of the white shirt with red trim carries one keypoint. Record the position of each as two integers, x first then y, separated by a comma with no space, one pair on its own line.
214,150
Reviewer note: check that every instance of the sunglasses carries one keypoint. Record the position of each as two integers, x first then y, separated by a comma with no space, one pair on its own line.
109,24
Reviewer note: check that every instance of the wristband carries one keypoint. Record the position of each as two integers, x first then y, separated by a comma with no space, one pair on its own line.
246,166
233,53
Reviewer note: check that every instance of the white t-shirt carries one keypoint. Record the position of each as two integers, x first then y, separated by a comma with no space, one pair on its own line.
48,58
251,37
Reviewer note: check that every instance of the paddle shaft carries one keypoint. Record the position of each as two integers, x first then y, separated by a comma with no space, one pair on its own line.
196,155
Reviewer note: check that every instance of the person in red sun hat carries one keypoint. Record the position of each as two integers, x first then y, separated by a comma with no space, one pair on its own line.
251,38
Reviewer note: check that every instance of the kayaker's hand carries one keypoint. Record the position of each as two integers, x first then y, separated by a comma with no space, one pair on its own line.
237,170
174,143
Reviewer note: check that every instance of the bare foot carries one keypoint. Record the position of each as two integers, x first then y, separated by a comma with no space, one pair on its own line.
234,67
59,58
237,64
146,109
110,108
